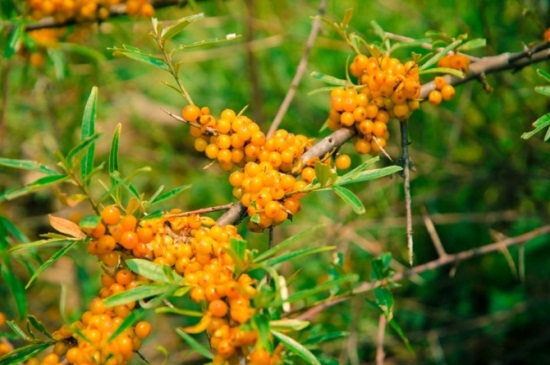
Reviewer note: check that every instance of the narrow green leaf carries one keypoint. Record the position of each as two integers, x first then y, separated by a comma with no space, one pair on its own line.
331,80
39,184
544,90
36,323
325,337
195,345
20,236
151,271
56,256
13,42
135,315
16,289
27,165
87,131
543,74
22,354
89,222
138,293
169,194
443,70
539,124
414,43
360,168
367,175
288,324
433,60
297,348
59,240
179,311
18,330
318,289
180,25
135,54
350,198
297,255
113,153
393,324
473,44
283,245
384,300
348,14
261,323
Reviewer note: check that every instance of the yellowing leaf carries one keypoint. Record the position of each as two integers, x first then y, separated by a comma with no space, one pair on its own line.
199,327
66,226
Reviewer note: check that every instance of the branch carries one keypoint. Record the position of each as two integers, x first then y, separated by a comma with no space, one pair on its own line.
432,265
300,71
485,65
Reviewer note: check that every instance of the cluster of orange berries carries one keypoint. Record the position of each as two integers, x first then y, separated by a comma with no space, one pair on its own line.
388,89
442,91
196,248
266,181
454,60
85,10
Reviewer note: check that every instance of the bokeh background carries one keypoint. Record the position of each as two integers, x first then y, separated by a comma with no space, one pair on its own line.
475,177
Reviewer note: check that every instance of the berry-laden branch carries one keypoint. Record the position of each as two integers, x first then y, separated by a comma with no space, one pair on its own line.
443,260
483,66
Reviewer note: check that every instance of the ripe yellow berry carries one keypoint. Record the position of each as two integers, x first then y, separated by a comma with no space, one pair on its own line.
342,162
435,97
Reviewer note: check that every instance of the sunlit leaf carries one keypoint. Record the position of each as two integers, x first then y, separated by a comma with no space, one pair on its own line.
288,324
66,226
39,184
13,41
136,54
544,90
543,74
138,293
297,348
324,174
331,80
151,271
27,165
113,153
539,125
350,198
88,131
367,175
440,55
473,44
195,345
180,25
285,244
384,300
89,222
169,194
443,70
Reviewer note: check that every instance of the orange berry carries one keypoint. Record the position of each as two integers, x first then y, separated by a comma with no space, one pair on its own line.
342,162
128,223
142,329
129,239
448,92
191,113
439,82
110,215
308,174
218,308
435,97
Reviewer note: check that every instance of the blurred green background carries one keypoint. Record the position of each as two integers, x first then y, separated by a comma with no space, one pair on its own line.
474,175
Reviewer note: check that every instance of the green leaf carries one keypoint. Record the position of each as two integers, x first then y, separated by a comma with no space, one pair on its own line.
413,43
138,293
350,198
544,90
543,74
297,348
195,345
80,50
27,165
169,194
443,70
207,42
325,337
58,240
355,177
317,289
20,236
88,130
135,315
151,271
288,324
180,25
89,222
16,288
473,44
433,60
539,125
331,80
18,330
113,153
297,255
179,311
39,184
261,323
36,323
384,300
22,354
381,267
325,174
136,54
13,42
283,245
56,256
238,247
393,324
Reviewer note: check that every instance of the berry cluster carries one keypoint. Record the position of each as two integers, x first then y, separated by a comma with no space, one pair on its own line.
442,91
454,60
266,182
388,89
85,10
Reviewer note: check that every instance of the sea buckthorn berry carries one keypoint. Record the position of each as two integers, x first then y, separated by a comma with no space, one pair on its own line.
342,162
2,319
379,129
129,239
434,97
347,119
308,174
448,92
362,146
211,151
110,215
218,308
401,111
105,245
128,223
439,82
191,113
123,277
142,329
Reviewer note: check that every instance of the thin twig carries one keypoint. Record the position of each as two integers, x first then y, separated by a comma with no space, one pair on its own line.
433,233
300,70
406,161
201,211
380,355
431,265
